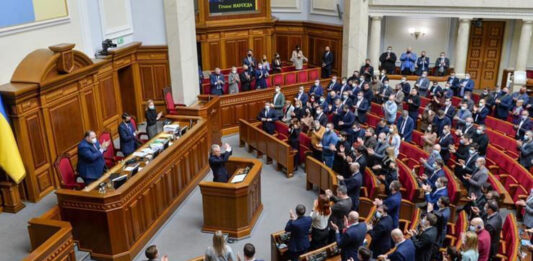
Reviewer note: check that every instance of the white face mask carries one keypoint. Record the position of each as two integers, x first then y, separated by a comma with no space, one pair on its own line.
403,80
277,90
151,107
94,140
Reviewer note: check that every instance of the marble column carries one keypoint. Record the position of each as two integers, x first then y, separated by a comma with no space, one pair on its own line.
355,33
461,47
183,59
523,52
375,40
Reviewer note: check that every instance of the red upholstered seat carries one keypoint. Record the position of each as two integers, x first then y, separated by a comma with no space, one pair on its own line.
376,109
206,88
417,138
314,73
302,76
372,120
502,142
407,180
111,156
456,101
169,101
282,129
66,174
511,238
370,183
424,101
269,82
141,136
277,79
499,125
290,78
305,146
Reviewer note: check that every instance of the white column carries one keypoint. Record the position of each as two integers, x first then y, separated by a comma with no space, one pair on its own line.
461,48
355,33
183,59
375,40
523,52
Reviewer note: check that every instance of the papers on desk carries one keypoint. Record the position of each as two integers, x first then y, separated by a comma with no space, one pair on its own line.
171,128
131,168
140,154
238,178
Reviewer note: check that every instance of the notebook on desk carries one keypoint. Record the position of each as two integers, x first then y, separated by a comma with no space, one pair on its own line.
238,178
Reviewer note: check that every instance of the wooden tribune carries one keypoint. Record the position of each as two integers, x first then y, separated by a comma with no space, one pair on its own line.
233,208
267,144
117,224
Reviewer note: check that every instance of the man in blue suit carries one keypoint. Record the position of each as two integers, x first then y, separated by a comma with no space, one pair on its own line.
405,249
316,90
380,232
217,162
333,85
441,190
217,82
267,116
430,178
448,108
250,61
393,202
422,64
405,126
440,121
454,83
481,112
302,96
298,226
347,119
466,85
91,161
328,143
344,87
352,238
522,125
353,183
260,77
361,105
128,139
503,104
408,60
445,141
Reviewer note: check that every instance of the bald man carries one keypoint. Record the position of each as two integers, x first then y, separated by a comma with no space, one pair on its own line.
483,235
405,249
352,238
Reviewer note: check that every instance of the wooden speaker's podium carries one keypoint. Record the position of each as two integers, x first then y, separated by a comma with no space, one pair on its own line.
230,207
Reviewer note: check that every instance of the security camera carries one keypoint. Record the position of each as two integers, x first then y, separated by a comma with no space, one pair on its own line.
106,44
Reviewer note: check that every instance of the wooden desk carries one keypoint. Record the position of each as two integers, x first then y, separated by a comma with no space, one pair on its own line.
117,224
233,208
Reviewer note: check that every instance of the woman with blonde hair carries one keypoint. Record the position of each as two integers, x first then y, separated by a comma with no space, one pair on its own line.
394,139
469,248
220,251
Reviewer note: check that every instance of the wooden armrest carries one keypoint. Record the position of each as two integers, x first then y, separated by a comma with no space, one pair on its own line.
364,192
522,197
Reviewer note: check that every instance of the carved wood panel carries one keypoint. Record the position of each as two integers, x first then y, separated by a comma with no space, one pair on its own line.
65,120
35,137
90,101
213,54
108,97
235,51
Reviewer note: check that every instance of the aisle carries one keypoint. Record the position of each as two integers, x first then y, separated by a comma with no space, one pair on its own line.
181,237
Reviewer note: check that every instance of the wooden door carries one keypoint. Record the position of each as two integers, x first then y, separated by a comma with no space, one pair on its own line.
484,53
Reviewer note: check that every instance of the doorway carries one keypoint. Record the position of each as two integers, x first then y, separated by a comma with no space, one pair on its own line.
484,52
127,91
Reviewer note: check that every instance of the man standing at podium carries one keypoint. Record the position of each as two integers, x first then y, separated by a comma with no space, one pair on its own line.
217,162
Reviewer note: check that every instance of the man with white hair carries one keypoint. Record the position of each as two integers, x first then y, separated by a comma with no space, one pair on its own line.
352,238
477,225
405,249
217,162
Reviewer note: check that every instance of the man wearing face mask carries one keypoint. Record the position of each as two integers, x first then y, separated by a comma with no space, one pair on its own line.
343,87
462,115
442,64
422,83
261,74
329,140
413,102
440,121
481,139
430,161
390,109
267,116
217,82
448,109
468,165
443,215
479,177
346,100
347,119
522,125
388,60
91,163
445,141
380,232
405,249
406,87
433,195
327,62
151,119
520,95
481,112
408,60
353,184
316,90
435,90
128,135
503,104
393,202
278,100
422,63
333,85
526,150
424,239
406,126
447,91
250,61
476,225
361,105
302,96
454,83
367,70
383,93
494,223
321,117
466,85
352,238
245,78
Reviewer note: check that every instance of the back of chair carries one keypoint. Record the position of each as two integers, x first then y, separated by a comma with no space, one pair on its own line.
65,171
169,101
109,154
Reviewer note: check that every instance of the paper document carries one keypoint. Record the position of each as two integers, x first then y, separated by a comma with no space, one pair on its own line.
238,178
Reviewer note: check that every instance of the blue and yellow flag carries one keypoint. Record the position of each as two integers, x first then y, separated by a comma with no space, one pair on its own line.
10,160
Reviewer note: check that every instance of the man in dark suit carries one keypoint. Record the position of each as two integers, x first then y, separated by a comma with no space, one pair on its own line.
393,202
448,109
216,80
454,83
422,63
346,100
406,87
250,61
261,74
246,78
481,139
302,96
388,60
405,126
468,165
321,117
352,238
440,121
384,92
353,184
316,90
425,239
466,85
478,178
217,162
361,105
128,135
333,85
380,232
442,64
445,141
443,215
481,112
405,249
526,150
341,207
413,100
91,163
298,226
440,191
267,116
493,224
503,104
344,87
327,62
347,119
367,71
522,125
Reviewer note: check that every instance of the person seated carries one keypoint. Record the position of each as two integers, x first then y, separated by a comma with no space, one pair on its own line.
422,83
442,64
316,90
128,135
367,70
298,225
333,85
393,202
503,104
462,114
522,124
405,249
267,116
91,163
520,95
352,238
217,82
466,85
152,254
380,232
477,226
361,106
408,60
479,176
388,60
526,150
406,126
220,249
422,64
261,74
424,239
217,162
250,61
433,195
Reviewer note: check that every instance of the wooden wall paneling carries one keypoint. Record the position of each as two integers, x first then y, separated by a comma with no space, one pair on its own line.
213,56
154,75
147,79
110,100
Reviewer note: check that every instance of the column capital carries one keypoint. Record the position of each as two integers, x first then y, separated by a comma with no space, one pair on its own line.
465,19
527,21
376,17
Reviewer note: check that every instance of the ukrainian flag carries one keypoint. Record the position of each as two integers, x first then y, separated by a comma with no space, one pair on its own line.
10,160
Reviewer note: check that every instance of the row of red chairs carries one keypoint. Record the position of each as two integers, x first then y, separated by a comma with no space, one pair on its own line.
284,78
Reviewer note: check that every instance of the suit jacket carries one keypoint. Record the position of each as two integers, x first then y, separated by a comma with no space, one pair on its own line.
216,88
367,71
405,251
364,105
436,174
328,59
218,166
462,115
279,102
406,132
442,63
422,64
246,79
351,240
449,111
465,85
251,64
347,101
348,119
445,142
343,88
302,97
393,202
493,225
353,185
526,154
425,244
406,89
323,119
316,90
260,78
128,143
454,82
502,108
483,141
340,209
388,64
439,124
268,126
527,124
333,86
381,238
443,215
423,86
477,180
91,161
433,197
299,230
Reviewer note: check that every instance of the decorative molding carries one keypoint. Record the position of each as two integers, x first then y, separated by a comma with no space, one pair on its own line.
317,10
118,31
437,11
33,26
296,8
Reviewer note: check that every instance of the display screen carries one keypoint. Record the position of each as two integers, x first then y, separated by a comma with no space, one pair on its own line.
232,6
